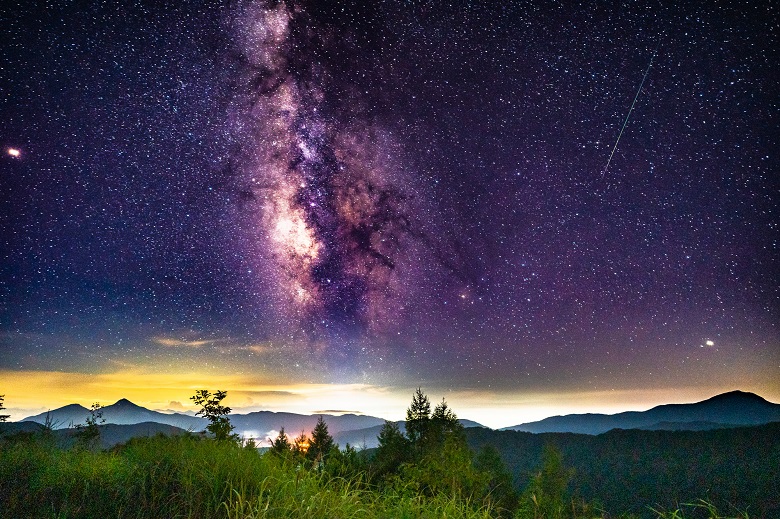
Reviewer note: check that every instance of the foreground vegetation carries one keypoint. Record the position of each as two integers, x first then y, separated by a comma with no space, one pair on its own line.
190,477
426,472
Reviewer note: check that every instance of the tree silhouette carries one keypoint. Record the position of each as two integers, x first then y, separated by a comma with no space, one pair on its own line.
281,445
321,442
442,424
216,413
3,417
444,417
88,434
418,416
427,431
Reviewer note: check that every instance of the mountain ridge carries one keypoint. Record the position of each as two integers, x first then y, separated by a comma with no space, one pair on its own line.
726,409
257,424
122,412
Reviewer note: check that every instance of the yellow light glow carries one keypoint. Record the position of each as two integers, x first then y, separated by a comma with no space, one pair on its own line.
303,444
15,153
37,391
33,392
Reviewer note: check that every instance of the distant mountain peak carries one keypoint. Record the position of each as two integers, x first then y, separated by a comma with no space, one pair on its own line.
72,407
125,403
726,409
737,395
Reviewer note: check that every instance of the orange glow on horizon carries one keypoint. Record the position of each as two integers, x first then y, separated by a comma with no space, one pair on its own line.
32,392
302,444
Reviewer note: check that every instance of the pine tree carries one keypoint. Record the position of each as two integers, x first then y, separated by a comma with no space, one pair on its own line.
443,423
418,416
281,445
321,442
445,416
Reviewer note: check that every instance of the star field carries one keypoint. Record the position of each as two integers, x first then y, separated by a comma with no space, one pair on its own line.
393,194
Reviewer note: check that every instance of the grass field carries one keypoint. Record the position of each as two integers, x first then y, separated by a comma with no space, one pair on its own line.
187,477
192,477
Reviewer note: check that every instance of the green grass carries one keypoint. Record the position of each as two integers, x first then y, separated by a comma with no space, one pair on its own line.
177,477
340,499
190,477
187,477
701,508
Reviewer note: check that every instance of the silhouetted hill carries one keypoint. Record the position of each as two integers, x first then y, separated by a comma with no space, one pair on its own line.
61,418
173,411
260,424
360,438
10,428
123,412
733,408
688,426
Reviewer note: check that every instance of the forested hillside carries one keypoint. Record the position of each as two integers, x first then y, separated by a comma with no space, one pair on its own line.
629,470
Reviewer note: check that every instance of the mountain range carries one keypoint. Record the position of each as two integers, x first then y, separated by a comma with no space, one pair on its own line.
358,430
257,424
123,412
731,409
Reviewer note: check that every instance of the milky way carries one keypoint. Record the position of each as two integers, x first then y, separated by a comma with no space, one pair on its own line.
331,219
408,191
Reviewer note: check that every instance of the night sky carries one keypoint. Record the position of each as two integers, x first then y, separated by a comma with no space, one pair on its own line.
323,205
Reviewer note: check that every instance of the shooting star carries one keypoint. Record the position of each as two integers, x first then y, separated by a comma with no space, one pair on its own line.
628,115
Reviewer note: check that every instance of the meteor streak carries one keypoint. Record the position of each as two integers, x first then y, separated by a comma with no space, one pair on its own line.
628,115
